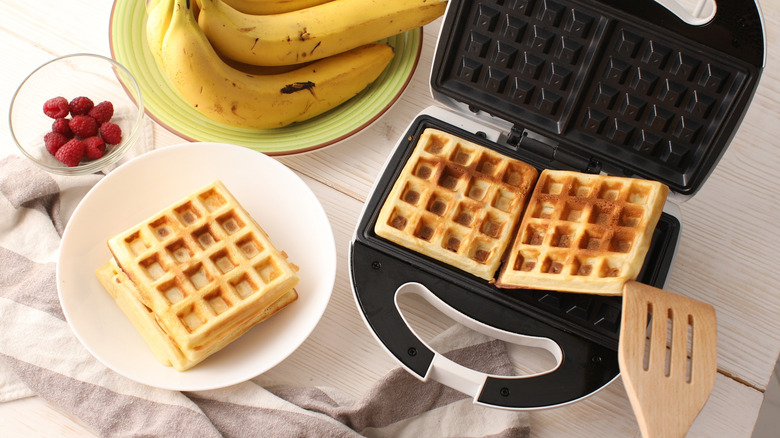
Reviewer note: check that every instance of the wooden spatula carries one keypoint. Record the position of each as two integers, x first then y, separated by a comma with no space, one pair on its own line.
668,358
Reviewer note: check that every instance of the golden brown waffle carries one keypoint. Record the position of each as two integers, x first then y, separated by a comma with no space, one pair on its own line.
457,202
118,286
583,233
164,349
204,268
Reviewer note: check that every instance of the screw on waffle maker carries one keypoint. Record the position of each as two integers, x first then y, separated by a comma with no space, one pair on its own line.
550,89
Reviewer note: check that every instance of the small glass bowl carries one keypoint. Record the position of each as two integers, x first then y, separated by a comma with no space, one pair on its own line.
71,76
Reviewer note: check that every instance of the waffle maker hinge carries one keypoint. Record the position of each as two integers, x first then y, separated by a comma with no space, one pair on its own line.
550,152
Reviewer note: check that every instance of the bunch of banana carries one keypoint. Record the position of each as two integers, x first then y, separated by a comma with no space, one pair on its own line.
231,96
311,33
267,7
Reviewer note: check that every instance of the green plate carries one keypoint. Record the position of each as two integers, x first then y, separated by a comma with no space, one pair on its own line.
129,48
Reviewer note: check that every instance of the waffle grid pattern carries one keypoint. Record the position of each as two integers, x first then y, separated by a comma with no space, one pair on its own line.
625,92
203,266
457,202
584,233
656,100
530,56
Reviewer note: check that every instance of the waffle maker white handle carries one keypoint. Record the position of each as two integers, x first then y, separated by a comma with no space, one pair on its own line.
702,13
457,376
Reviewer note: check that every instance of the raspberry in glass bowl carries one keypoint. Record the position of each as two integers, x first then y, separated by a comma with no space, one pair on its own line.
77,101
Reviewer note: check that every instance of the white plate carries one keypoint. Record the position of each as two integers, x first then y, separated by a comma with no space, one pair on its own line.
275,196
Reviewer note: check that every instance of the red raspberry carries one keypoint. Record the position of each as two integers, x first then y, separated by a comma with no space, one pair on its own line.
80,106
94,147
56,107
71,153
102,112
54,141
83,126
61,126
111,133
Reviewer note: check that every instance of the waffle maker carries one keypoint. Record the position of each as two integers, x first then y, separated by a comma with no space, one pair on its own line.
631,88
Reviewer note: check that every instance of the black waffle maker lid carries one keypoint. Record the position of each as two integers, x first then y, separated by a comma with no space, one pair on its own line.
625,87
621,87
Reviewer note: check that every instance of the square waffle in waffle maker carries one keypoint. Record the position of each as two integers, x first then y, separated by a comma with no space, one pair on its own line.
611,88
583,233
205,272
457,202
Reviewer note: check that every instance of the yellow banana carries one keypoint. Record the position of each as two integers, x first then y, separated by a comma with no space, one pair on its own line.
150,4
157,20
311,33
232,97
267,7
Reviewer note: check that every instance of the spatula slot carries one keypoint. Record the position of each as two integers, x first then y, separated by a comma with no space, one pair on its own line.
669,342
689,352
648,337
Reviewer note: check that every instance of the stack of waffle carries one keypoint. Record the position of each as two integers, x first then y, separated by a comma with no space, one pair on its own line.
197,275
459,203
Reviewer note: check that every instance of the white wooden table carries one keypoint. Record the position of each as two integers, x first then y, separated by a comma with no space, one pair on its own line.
728,253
